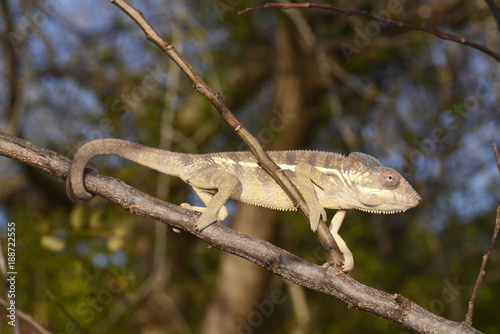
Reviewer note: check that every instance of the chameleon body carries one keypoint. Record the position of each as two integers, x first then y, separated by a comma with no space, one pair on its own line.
325,180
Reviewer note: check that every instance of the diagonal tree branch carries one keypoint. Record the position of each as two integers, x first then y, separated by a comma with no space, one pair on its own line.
358,296
335,256
350,12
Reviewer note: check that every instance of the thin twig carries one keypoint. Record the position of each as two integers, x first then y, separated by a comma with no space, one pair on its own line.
468,317
335,256
65,312
350,12
26,318
496,156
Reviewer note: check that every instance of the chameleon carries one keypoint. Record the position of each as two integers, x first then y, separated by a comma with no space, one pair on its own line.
325,180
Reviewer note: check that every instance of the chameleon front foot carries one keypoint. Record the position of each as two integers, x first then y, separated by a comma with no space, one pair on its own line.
205,221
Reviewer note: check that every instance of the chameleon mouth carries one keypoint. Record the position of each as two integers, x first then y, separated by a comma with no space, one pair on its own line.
411,201
413,198
383,212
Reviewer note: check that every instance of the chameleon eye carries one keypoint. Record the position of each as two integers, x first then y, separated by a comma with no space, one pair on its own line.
389,178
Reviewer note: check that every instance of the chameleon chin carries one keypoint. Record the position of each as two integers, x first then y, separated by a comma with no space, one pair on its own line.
325,180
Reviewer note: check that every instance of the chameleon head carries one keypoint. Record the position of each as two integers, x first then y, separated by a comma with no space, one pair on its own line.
375,188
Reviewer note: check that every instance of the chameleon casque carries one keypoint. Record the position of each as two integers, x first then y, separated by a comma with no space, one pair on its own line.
325,180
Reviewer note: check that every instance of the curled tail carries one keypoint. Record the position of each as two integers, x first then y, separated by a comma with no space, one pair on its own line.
160,160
